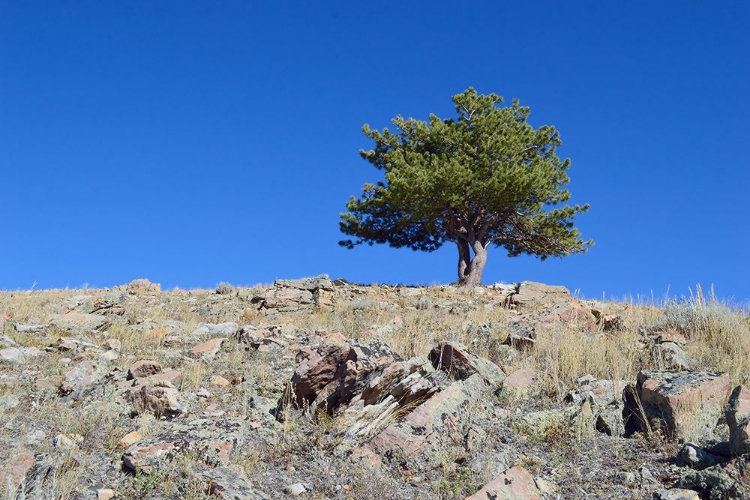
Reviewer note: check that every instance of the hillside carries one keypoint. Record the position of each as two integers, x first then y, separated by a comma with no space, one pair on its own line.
317,389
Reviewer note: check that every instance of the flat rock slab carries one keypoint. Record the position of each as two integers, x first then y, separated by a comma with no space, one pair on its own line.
515,483
213,439
222,482
530,294
687,403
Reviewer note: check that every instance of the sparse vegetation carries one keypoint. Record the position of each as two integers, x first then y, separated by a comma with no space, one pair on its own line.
273,454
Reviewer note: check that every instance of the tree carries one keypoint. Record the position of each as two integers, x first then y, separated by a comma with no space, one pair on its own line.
484,178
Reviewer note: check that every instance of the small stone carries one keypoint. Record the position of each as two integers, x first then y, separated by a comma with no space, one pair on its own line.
129,439
105,494
296,489
143,368
219,381
676,494
67,441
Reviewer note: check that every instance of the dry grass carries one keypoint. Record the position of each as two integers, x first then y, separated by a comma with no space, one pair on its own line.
410,322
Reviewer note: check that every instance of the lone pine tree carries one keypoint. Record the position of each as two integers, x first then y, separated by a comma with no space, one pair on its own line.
484,178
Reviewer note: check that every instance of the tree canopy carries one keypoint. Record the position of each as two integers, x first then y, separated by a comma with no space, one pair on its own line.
485,177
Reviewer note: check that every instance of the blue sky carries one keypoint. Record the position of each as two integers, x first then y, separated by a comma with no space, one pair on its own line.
199,142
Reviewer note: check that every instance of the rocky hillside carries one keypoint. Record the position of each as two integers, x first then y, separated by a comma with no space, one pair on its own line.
317,389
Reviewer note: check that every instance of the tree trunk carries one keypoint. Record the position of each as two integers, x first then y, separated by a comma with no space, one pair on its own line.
470,269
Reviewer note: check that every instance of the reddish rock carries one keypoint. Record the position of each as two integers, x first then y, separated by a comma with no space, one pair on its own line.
515,483
688,404
209,348
14,471
520,380
143,368
331,374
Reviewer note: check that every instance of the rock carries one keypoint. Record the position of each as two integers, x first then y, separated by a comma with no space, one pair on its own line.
519,381
8,401
523,329
676,494
81,379
263,340
207,330
672,357
112,345
420,438
67,441
14,471
300,294
295,489
129,439
30,328
332,373
693,456
531,295
219,381
213,440
143,368
18,355
142,286
460,363
715,483
160,399
516,483
687,405
105,494
209,348
609,420
737,415
225,483
401,384
79,322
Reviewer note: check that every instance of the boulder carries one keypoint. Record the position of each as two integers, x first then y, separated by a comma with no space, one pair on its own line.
401,384
332,373
299,294
685,405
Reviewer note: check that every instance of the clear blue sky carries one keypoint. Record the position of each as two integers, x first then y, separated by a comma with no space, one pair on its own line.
199,142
